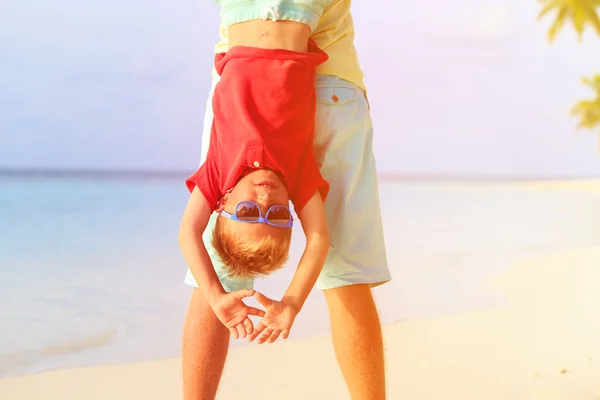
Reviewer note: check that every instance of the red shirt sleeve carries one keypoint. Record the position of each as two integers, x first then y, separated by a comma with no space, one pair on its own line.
207,180
308,181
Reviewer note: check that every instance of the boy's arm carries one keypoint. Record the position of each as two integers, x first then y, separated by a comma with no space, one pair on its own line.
193,223
228,307
314,224
280,315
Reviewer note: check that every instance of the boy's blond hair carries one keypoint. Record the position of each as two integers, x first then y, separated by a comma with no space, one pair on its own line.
249,257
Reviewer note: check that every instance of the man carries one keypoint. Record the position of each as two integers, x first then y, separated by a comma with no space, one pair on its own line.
343,147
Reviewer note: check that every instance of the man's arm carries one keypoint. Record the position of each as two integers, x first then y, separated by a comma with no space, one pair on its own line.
193,223
314,224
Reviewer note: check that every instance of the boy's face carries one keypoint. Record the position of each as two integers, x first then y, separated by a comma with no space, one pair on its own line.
263,187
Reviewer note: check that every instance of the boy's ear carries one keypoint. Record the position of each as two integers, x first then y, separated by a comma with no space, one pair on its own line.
222,202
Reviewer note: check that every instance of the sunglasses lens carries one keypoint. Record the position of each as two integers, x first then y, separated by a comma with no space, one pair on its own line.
247,211
279,215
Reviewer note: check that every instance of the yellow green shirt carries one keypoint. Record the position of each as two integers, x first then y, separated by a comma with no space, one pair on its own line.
335,35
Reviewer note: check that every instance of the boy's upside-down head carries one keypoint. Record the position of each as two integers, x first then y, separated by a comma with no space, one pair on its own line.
253,232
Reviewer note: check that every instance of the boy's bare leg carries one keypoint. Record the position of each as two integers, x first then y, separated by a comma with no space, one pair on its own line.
205,345
357,340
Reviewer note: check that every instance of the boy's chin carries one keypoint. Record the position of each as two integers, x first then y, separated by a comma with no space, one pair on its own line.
266,176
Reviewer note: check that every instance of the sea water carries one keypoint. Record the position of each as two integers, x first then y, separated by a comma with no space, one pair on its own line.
91,271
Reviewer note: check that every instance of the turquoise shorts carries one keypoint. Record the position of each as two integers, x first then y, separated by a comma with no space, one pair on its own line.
306,11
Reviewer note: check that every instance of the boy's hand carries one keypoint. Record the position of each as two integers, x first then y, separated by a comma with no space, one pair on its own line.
233,312
277,321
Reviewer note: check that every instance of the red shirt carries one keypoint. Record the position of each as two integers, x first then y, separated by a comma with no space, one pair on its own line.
264,117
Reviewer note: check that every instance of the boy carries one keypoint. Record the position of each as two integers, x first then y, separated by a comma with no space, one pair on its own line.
357,260
260,157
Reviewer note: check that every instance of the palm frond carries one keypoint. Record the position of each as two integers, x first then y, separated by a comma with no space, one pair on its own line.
550,5
588,112
593,82
592,16
558,24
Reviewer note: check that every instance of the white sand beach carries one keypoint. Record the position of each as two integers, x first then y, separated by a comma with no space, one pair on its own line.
543,346
581,185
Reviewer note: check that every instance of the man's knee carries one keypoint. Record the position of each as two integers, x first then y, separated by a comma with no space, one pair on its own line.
199,312
354,298
198,303
349,290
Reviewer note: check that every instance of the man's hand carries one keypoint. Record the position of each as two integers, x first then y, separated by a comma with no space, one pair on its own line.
233,312
278,320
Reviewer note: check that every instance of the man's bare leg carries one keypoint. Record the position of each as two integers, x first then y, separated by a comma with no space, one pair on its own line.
205,345
357,340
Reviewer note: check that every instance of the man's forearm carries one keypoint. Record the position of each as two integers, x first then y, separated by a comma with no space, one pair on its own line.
308,271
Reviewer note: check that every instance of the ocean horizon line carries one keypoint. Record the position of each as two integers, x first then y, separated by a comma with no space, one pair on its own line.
98,173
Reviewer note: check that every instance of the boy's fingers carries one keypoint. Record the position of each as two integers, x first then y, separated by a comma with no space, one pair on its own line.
234,333
241,330
262,299
256,311
274,336
248,325
243,293
285,334
257,331
265,335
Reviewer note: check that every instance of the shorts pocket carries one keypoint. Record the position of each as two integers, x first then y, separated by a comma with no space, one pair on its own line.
335,95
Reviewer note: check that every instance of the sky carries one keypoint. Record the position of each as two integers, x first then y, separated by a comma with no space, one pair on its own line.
469,87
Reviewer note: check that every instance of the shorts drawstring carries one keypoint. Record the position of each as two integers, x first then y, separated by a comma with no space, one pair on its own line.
272,10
